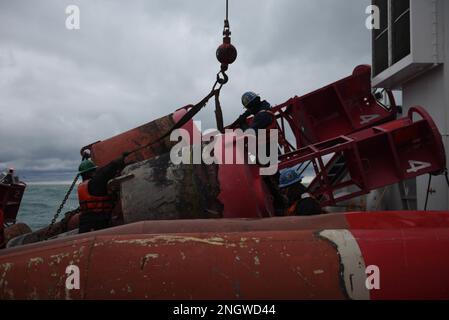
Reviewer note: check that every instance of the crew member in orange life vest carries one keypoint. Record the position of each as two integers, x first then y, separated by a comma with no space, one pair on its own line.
96,204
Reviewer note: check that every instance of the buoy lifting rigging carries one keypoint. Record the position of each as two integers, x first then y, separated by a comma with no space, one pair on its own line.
226,52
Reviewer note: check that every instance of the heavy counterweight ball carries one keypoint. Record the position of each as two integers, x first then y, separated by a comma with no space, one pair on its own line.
226,53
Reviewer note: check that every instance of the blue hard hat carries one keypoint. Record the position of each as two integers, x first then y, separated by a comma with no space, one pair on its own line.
289,177
249,97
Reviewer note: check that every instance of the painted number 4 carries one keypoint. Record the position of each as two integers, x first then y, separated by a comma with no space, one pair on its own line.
368,118
416,166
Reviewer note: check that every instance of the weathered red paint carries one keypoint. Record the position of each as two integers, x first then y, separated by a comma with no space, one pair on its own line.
413,262
276,258
391,220
240,266
243,191
15,230
103,152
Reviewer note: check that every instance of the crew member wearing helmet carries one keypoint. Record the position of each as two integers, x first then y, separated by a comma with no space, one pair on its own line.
260,109
263,119
96,204
300,203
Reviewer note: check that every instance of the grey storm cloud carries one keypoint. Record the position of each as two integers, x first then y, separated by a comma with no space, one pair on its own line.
134,61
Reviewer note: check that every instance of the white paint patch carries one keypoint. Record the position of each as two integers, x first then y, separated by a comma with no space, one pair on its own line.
351,258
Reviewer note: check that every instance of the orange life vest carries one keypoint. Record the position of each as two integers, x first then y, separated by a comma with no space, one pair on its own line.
292,210
90,203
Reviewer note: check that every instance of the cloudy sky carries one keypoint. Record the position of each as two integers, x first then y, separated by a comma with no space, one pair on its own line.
134,61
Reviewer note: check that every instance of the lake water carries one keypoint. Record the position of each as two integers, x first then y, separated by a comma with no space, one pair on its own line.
41,201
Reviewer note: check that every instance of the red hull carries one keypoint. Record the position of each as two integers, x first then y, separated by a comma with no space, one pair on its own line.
322,257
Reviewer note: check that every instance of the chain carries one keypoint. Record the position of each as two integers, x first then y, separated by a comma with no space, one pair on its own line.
61,206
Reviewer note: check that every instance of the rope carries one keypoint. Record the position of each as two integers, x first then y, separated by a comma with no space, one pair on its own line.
219,112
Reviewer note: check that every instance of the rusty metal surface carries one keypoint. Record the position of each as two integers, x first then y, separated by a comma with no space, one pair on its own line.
288,260
41,275
26,236
16,230
211,225
183,266
159,190
354,220
105,151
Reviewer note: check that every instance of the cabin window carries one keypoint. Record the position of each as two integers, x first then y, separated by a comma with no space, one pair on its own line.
391,42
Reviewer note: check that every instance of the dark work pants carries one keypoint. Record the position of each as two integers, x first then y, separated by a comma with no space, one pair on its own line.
92,221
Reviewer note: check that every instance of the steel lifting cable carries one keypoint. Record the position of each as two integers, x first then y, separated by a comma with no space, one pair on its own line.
446,176
227,10
219,113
